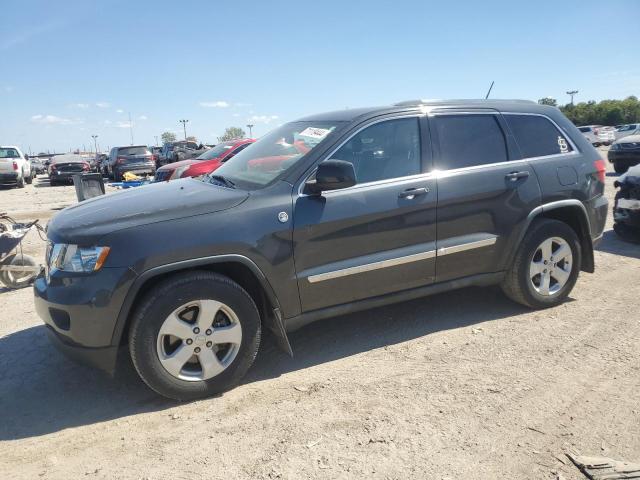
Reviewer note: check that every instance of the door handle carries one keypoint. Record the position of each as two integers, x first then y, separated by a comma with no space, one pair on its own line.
515,176
411,193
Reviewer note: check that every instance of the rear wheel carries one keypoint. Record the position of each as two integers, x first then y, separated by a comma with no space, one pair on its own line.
194,335
29,179
20,182
17,279
546,265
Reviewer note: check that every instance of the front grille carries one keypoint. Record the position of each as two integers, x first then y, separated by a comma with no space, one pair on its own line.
162,175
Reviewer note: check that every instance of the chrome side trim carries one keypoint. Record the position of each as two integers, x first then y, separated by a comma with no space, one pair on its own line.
392,262
466,246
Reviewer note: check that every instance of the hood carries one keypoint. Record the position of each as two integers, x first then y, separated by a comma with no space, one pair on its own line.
631,176
629,139
87,221
182,163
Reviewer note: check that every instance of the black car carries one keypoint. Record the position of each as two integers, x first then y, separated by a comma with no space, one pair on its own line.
327,215
625,153
62,168
136,159
626,210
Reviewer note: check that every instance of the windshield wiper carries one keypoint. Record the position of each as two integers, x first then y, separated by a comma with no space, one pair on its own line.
225,181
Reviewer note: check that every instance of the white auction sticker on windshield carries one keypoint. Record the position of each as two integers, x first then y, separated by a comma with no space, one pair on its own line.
317,133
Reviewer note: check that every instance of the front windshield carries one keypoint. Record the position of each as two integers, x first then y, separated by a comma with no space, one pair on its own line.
271,155
216,151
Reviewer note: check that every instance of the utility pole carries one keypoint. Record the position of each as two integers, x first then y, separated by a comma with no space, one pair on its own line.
184,126
156,137
571,93
95,143
131,128
250,126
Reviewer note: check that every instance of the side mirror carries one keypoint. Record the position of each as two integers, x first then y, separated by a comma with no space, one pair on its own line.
26,157
332,175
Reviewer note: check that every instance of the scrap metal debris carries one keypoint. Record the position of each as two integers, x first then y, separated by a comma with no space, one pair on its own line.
603,468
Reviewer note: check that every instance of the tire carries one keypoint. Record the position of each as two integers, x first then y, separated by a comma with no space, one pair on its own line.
518,283
620,168
52,182
17,279
117,176
185,294
20,182
29,179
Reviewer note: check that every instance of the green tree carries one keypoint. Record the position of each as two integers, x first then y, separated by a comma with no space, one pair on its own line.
606,112
231,133
168,137
548,101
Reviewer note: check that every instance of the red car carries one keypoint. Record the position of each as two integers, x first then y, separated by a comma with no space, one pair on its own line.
205,163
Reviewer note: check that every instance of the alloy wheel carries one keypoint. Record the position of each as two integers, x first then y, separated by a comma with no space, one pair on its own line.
551,266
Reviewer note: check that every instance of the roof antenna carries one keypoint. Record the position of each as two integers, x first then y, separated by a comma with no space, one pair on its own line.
489,92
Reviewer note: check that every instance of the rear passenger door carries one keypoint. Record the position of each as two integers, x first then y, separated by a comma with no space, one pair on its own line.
485,191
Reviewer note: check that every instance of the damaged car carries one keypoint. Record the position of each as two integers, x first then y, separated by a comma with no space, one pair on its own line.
626,210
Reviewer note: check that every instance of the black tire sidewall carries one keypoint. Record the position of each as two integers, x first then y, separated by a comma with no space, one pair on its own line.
542,230
169,296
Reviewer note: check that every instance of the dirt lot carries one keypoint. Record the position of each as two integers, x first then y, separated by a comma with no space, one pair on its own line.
460,385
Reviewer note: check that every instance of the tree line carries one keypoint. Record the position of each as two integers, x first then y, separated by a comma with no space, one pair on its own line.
606,112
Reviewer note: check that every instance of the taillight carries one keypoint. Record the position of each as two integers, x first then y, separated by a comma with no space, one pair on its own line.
120,160
15,165
601,170
53,167
85,166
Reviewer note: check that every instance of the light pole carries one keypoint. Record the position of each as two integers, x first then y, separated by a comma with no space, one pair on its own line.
571,93
184,126
250,126
131,128
156,137
95,142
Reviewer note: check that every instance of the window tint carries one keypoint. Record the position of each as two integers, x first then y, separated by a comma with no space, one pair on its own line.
537,136
385,150
469,140
9,153
133,151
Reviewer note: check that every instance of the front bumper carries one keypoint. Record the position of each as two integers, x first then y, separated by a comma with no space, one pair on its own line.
80,311
624,157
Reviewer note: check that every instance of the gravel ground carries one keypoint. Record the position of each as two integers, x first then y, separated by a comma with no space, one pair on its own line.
460,385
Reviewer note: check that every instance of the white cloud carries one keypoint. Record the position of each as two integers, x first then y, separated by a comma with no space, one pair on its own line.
235,115
242,104
216,104
262,118
103,104
80,105
143,117
53,120
123,124
119,110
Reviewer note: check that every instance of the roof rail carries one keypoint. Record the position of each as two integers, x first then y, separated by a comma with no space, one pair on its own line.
410,103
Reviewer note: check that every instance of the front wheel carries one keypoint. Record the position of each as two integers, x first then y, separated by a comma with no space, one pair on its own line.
620,168
194,335
546,265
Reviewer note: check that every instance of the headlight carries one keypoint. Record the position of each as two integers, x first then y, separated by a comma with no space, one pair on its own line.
615,146
179,171
72,258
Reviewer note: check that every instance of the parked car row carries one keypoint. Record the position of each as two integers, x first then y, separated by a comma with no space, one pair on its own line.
598,134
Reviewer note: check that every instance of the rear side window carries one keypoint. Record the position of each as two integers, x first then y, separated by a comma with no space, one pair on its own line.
537,136
469,140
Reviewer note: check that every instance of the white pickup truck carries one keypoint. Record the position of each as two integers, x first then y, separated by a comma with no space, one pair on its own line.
15,168
598,135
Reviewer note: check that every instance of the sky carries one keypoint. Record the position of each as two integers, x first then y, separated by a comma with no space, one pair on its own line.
76,68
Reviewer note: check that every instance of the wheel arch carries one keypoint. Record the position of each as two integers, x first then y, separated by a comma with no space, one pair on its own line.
573,213
238,268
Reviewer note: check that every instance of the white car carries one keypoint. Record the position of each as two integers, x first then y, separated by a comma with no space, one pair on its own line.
598,135
625,130
15,168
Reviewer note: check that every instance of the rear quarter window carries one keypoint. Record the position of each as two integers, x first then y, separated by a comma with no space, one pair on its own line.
537,136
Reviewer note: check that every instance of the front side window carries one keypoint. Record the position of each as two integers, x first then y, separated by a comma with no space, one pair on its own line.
537,136
469,140
272,155
385,150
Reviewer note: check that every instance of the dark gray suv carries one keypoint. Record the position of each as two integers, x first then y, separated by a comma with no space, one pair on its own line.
324,216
